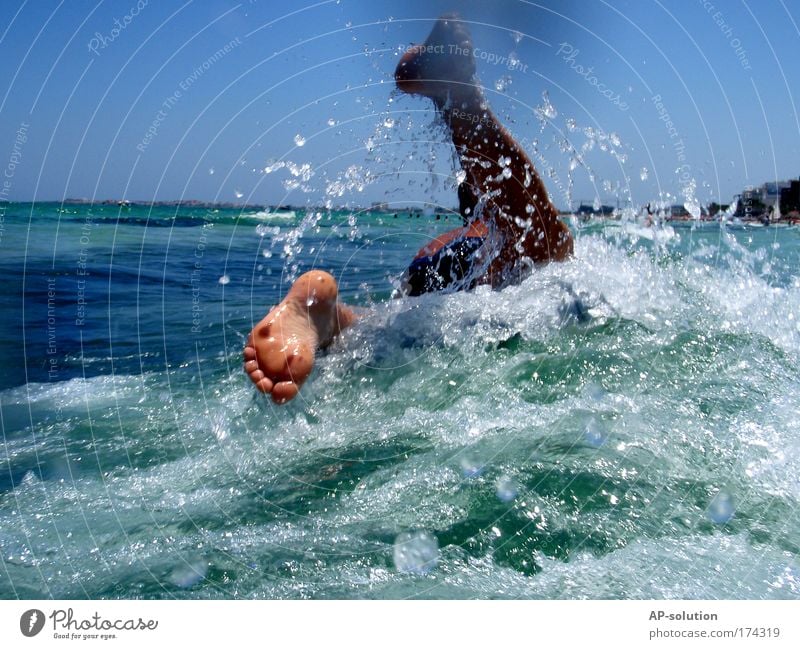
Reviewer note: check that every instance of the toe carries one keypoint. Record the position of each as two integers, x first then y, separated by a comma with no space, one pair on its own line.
284,391
264,385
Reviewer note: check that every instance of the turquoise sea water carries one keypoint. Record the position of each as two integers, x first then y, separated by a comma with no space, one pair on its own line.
623,425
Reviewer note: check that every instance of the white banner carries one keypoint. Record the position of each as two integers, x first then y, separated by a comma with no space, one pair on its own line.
407,624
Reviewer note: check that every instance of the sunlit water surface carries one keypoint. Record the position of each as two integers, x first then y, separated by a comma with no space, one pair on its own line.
623,425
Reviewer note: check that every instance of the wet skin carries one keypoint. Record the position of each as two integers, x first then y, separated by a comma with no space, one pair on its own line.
514,216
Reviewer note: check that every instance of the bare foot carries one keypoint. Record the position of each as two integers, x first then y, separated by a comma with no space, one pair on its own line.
443,67
279,354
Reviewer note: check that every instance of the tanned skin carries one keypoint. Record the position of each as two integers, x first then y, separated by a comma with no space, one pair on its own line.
517,208
515,216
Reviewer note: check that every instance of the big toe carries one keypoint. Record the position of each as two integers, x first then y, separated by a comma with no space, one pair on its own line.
284,391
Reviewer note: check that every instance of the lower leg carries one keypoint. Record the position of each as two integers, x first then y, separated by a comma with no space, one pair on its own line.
515,200
279,353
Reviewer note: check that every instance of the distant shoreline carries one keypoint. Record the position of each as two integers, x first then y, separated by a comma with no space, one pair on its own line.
192,203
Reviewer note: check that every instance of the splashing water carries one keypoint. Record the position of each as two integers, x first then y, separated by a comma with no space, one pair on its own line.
502,84
546,110
559,437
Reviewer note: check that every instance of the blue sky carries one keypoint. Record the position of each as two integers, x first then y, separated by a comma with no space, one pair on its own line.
161,110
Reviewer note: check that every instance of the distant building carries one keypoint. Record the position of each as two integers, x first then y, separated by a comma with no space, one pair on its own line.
750,205
790,197
771,192
587,210
765,201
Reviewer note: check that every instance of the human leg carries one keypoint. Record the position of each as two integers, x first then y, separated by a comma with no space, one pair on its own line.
516,205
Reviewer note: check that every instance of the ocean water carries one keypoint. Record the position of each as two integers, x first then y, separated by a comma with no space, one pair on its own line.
623,425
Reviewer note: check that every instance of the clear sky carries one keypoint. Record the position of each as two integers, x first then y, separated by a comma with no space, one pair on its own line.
683,97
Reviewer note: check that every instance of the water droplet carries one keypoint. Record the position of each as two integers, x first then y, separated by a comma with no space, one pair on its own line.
299,140
721,508
502,84
331,122
506,489
416,552
211,171
643,173
546,110
388,122
274,166
692,206
595,434
237,193
461,176
189,574
517,36
224,280
470,467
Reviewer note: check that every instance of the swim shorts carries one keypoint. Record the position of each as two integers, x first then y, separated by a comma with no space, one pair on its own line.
447,267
